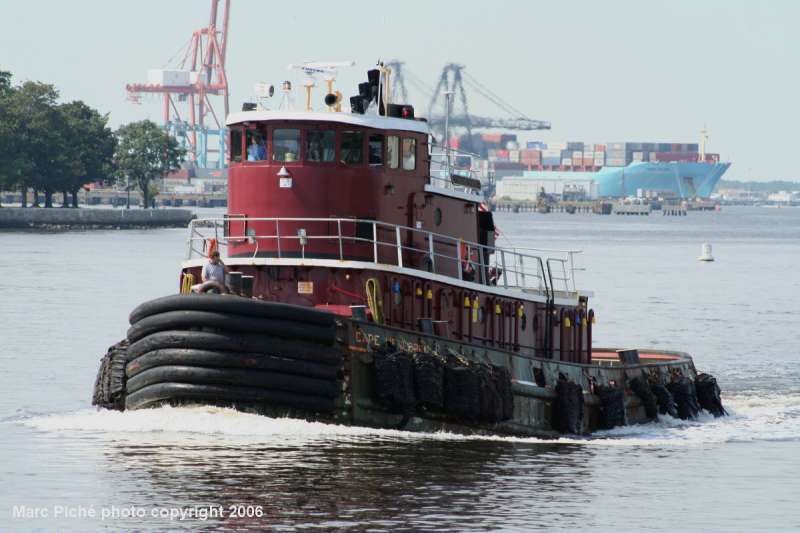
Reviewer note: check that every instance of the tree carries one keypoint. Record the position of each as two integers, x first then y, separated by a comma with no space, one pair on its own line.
40,152
144,153
5,82
48,146
92,145
9,160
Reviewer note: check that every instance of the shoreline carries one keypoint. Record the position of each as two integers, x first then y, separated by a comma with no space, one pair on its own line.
83,218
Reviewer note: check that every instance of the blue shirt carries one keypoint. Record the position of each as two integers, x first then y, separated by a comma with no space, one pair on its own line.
256,152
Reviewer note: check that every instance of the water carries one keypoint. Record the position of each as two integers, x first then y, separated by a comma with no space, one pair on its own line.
66,296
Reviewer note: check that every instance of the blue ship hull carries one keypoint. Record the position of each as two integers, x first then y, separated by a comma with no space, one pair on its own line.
686,180
683,179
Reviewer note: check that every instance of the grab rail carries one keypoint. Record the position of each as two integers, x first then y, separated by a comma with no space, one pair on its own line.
388,244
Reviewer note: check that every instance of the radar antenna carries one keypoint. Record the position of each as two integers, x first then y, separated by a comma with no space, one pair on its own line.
330,69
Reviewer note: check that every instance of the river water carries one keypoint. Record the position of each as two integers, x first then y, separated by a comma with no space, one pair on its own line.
65,466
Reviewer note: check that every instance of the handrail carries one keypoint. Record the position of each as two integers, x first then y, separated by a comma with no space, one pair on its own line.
391,244
441,169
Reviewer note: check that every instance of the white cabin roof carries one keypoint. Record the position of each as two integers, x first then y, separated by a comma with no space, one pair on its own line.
367,120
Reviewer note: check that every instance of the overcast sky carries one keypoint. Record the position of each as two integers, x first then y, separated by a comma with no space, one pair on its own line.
598,70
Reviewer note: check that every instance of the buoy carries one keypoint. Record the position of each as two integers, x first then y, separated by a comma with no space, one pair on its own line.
705,253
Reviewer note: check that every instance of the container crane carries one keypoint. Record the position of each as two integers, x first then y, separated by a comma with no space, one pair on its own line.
453,83
199,75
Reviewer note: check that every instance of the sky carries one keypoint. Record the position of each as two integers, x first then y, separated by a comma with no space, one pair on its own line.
599,71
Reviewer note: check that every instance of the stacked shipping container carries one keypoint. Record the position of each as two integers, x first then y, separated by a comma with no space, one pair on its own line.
538,154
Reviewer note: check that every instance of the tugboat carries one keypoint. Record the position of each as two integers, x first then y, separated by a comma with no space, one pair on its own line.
365,288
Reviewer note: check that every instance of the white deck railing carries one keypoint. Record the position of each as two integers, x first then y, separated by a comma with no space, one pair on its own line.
386,244
448,164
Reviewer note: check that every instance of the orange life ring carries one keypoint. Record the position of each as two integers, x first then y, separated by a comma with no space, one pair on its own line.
211,247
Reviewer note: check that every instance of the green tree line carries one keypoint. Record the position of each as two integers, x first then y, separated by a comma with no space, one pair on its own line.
49,147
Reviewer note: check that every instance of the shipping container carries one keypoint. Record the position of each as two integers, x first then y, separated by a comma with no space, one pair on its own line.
506,138
513,155
599,147
509,165
575,146
615,162
493,138
502,154
551,152
615,146
551,161
537,145
566,162
676,156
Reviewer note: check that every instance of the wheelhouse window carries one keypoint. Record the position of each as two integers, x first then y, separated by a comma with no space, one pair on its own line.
409,153
375,147
285,144
393,151
320,146
352,147
256,140
236,144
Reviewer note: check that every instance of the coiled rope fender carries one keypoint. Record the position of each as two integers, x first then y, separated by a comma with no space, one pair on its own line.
374,301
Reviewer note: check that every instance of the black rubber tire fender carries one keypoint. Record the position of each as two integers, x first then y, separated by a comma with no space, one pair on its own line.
222,359
161,393
237,323
226,303
612,406
641,388
233,376
235,342
109,386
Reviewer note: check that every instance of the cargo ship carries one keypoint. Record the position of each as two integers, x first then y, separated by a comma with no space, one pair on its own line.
610,170
364,287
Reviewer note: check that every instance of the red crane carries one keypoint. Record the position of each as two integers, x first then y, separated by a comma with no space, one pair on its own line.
199,75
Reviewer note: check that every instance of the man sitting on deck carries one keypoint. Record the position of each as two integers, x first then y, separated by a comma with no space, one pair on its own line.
212,276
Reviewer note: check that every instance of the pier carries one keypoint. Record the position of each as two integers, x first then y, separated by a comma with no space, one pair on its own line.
119,198
572,207
37,217
596,207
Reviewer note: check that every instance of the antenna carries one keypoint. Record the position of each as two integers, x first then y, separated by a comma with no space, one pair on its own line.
330,69
703,139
